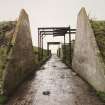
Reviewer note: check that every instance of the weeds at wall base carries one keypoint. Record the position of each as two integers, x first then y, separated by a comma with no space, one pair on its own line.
3,99
101,95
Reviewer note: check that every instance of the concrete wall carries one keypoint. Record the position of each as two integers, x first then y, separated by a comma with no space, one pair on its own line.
21,57
87,60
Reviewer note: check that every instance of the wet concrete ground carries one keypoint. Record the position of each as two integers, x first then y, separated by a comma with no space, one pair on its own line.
55,84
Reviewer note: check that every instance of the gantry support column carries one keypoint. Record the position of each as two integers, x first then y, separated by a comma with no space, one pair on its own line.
38,45
70,48
48,48
42,47
64,56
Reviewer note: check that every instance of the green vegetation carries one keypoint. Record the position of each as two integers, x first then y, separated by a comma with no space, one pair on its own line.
65,53
36,54
5,47
45,54
101,95
3,57
3,99
99,31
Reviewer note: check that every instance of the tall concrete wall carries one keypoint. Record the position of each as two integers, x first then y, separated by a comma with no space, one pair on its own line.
87,60
21,58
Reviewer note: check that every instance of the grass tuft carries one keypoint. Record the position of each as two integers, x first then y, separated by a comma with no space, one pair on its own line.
3,99
101,95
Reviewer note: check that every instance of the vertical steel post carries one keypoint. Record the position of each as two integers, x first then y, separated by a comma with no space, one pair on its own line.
47,48
70,47
42,46
38,45
64,49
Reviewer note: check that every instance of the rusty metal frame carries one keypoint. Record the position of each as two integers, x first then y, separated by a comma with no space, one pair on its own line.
54,31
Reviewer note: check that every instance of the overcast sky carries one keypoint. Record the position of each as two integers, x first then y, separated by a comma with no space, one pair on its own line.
50,12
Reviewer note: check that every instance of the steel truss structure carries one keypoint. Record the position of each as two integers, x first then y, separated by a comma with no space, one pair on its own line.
54,31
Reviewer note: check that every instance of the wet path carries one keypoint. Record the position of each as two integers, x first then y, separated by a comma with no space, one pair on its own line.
55,84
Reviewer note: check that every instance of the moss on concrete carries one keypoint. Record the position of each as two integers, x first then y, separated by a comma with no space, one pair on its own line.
99,31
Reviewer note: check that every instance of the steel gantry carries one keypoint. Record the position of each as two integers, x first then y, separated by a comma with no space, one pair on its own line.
54,31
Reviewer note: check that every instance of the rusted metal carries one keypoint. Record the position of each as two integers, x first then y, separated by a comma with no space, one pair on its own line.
54,31
70,46
53,43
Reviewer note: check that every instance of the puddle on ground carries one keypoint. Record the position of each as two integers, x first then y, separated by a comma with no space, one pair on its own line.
46,93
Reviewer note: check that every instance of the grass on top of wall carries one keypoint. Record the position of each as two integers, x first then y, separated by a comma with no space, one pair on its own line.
99,31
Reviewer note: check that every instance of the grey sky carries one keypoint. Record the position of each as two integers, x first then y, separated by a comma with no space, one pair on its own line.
50,12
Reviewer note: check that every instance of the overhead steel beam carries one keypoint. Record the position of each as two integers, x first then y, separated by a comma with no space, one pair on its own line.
53,28
72,29
53,42
51,32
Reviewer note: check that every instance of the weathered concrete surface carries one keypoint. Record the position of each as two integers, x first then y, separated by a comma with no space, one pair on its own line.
64,86
87,61
21,59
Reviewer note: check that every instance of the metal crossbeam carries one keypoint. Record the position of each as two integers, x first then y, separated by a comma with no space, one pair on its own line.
53,43
42,28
